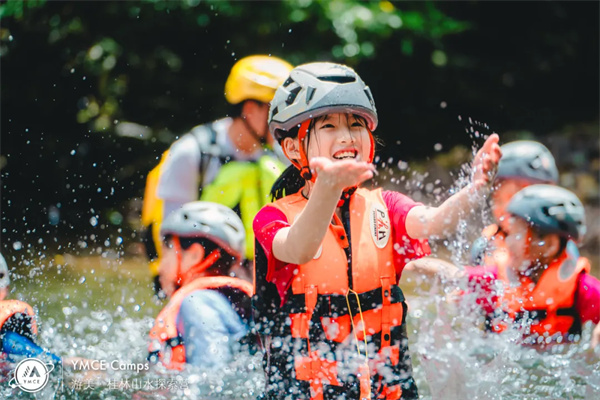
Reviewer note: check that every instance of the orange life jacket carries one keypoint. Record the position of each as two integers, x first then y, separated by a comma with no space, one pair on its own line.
15,308
496,253
337,302
164,335
548,307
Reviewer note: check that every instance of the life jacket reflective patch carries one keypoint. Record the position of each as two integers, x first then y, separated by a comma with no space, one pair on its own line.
328,306
18,317
546,308
166,345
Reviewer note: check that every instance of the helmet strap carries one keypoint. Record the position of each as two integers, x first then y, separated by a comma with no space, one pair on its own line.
304,167
203,265
178,250
260,139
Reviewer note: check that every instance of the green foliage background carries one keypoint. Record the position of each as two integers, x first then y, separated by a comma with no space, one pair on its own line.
73,73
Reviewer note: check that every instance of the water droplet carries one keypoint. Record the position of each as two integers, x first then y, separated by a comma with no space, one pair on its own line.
443,104
81,280
437,147
93,221
17,245
73,152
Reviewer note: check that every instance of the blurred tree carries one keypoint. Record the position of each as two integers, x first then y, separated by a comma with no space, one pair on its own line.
75,75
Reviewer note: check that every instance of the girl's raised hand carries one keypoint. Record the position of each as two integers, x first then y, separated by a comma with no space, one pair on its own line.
485,162
341,174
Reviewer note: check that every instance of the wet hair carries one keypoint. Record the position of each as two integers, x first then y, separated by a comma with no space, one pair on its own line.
221,266
290,181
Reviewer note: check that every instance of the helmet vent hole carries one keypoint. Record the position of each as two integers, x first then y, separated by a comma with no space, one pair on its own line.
368,93
338,79
185,216
288,82
292,96
310,92
231,226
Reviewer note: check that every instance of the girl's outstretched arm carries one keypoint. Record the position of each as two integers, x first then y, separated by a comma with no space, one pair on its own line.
299,243
422,222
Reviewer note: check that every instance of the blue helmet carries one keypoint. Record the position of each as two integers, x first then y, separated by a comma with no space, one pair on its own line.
529,160
550,209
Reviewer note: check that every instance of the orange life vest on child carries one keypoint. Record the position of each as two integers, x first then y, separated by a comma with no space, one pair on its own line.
164,335
24,314
549,305
336,302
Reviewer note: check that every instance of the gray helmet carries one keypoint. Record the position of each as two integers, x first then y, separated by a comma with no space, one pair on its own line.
203,219
317,89
527,159
4,277
550,209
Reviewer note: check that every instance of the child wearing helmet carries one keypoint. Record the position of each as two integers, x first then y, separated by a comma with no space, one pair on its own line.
523,163
546,291
208,310
329,254
18,325
231,161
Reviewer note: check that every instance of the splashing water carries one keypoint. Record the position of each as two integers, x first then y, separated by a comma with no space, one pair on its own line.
101,308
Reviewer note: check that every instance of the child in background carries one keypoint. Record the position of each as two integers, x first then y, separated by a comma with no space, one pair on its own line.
208,310
523,163
329,254
546,291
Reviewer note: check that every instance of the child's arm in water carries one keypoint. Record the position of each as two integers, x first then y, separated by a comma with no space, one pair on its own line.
299,243
423,222
432,266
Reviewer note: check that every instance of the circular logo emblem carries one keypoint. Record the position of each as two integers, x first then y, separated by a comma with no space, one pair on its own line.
31,375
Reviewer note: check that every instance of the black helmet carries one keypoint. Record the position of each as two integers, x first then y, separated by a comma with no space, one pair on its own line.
550,209
527,159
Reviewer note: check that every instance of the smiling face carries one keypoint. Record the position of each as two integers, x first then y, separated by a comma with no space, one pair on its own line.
339,137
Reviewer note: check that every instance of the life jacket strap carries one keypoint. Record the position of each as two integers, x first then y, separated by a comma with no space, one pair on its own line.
335,305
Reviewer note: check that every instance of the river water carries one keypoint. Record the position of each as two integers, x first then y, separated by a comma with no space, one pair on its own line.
101,307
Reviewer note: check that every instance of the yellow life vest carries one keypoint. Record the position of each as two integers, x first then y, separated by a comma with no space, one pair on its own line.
152,210
245,187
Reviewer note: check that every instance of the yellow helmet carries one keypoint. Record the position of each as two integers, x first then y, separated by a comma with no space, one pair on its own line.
256,78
